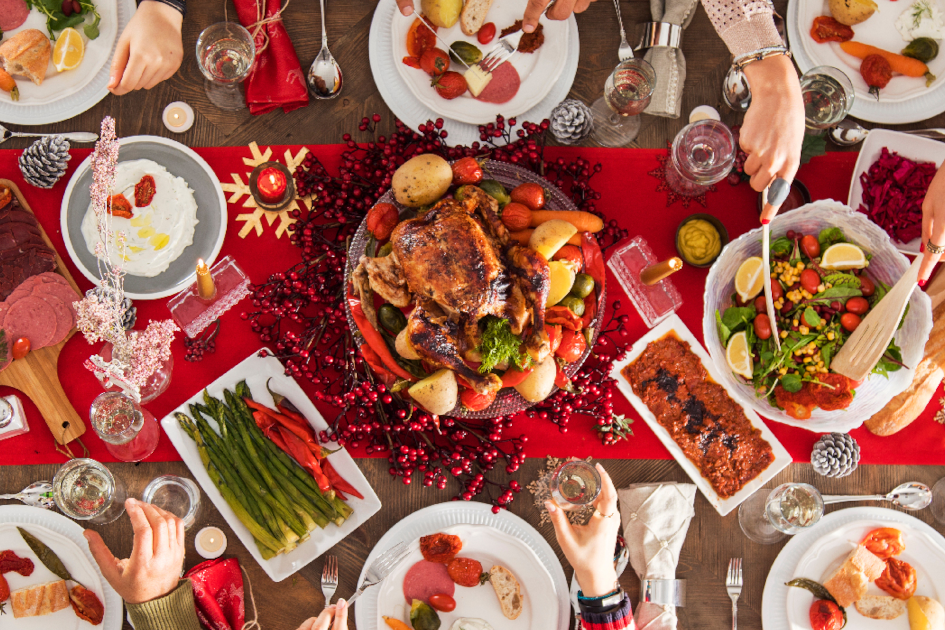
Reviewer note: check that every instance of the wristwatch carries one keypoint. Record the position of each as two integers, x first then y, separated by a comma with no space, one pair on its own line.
180,5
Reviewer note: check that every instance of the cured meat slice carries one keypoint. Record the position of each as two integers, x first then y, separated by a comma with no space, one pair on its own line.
425,579
16,213
63,292
64,316
12,14
33,318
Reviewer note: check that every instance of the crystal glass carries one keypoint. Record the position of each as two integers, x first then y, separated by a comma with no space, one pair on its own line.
156,384
828,96
574,484
702,154
87,491
788,509
225,54
129,431
177,495
627,93
938,500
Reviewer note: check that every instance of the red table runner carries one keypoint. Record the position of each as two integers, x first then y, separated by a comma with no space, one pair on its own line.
628,195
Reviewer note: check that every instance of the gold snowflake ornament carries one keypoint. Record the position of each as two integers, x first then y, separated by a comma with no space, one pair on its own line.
940,414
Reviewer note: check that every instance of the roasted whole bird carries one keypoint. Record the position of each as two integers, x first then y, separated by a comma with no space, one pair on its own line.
457,264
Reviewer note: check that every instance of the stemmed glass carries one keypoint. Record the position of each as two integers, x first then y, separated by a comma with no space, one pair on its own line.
574,484
788,509
87,491
938,500
225,54
702,154
627,93
828,97
129,431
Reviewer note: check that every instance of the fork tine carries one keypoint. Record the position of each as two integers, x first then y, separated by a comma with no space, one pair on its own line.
334,569
740,572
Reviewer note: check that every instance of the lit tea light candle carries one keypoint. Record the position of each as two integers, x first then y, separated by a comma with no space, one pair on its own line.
210,542
704,112
205,288
178,117
271,185
655,273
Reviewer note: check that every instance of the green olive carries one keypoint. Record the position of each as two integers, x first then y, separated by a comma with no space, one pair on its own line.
391,318
925,49
575,305
583,286
497,191
385,249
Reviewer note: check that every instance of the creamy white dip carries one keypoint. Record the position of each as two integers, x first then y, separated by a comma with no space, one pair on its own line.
923,18
470,623
158,233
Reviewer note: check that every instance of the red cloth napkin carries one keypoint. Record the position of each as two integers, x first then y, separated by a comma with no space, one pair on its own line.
218,593
277,79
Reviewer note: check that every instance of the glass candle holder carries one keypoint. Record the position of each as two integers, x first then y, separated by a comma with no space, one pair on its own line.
225,55
194,313
129,431
828,97
654,302
272,186
575,484
702,154
627,92
85,490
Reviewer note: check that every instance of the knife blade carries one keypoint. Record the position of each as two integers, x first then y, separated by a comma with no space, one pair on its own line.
766,269
446,47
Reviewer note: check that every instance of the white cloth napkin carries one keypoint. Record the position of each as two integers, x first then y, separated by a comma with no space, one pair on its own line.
669,63
655,520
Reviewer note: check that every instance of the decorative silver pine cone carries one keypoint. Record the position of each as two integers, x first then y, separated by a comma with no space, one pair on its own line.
571,121
45,161
130,312
835,455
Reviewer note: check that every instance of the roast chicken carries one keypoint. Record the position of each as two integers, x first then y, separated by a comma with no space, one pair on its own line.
457,264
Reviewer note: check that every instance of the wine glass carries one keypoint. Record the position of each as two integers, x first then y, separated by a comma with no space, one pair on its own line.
129,431
225,55
627,93
702,154
788,509
938,500
828,97
87,491
574,484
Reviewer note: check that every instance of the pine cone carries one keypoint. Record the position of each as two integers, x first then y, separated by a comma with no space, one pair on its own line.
571,121
45,161
835,455
130,312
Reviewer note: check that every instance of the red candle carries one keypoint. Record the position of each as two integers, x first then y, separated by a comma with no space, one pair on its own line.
271,184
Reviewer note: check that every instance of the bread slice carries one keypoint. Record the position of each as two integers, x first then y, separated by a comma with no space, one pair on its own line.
848,583
934,612
26,54
507,590
43,599
881,607
474,15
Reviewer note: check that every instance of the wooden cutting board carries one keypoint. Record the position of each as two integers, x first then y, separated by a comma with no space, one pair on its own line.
36,374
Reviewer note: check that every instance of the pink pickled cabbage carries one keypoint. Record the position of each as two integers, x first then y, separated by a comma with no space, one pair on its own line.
894,188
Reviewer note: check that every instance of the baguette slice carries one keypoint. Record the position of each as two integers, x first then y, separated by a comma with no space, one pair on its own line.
848,583
507,590
881,607
26,54
474,15
39,600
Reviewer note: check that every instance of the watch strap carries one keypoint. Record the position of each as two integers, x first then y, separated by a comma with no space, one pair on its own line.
180,5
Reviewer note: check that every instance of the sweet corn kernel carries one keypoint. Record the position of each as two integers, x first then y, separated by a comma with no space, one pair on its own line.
783,334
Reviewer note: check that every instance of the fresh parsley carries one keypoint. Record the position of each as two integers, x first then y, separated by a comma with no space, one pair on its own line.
57,21
499,345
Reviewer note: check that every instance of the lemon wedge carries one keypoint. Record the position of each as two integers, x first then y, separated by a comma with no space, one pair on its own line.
843,256
738,355
749,279
917,617
69,50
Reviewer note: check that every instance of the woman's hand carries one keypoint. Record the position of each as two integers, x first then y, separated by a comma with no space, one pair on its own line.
933,224
149,50
337,612
157,557
773,130
590,548
561,11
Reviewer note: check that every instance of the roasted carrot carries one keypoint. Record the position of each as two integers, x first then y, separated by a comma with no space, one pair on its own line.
583,221
523,236
7,84
899,63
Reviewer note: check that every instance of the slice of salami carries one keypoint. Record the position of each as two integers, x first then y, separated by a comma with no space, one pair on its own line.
12,14
52,276
64,316
33,318
64,293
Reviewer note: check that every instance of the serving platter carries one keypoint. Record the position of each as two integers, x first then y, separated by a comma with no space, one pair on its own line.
257,372
782,459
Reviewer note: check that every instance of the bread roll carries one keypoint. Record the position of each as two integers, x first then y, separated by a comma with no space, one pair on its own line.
27,54
881,607
508,591
43,599
848,584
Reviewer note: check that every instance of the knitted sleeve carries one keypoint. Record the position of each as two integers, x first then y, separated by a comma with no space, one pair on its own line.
618,618
174,611
744,25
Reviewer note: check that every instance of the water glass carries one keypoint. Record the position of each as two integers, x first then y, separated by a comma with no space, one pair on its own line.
702,154
225,54
787,510
177,495
129,431
828,97
87,491
574,484
938,501
627,93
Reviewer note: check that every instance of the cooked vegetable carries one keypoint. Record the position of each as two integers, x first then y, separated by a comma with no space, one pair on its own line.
500,346
403,347
529,194
899,579
852,12
575,305
497,191
392,318
8,84
573,345
421,180
523,237
884,542
464,52
395,624
925,49
903,65
827,29
582,221
436,393
551,236
877,73
385,249
419,39
825,615
562,280
538,385
516,216
583,285
422,617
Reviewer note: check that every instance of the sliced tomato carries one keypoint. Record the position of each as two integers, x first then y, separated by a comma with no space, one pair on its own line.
476,402
572,346
554,336
885,542
514,376
564,316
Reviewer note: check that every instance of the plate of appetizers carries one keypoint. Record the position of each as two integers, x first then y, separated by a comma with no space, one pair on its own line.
882,568
41,598
520,582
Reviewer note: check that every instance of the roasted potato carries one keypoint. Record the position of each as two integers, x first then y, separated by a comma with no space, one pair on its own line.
443,13
852,12
562,280
438,392
538,385
421,180
550,236
403,347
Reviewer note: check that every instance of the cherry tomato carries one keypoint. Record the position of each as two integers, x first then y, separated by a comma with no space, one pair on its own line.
21,348
529,194
857,305
884,542
762,326
810,280
572,346
850,321
486,33
777,292
476,402
434,61
867,286
824,615
442,602
810,246
554,336
760,305
899,579
465,571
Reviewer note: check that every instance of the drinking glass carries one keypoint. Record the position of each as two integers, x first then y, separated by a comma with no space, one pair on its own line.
574,484
627,93
788,509
702,154
225,54
129,431
828,96
938,500
87,491
178,495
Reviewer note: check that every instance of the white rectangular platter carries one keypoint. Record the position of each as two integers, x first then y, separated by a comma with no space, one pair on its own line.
781,457
256,371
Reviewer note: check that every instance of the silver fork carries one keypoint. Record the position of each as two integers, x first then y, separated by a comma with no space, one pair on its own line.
381,568
733,584
504,49
626,50
330,578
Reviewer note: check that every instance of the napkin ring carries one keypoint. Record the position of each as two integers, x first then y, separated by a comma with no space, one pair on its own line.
663,592
660,34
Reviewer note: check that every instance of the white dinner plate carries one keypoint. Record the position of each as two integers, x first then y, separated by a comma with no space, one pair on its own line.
517,546
257,371
399,98
64,95
782,459
906,145
816,553
905,99
64,538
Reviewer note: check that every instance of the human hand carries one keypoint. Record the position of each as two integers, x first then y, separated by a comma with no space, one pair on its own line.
337,612
561,10
590,548
157,557
933,224
773,130
149,50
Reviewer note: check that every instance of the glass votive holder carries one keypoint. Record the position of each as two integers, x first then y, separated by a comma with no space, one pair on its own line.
177,495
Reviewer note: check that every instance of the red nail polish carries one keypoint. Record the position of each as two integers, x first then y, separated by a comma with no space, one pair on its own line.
921,283
922,248
765,221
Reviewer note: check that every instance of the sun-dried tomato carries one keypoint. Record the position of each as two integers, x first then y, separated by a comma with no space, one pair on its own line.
440,547
877,73
86,604
144,191
9,561
827,29
899,579
465,571
6,196
884,542
119,206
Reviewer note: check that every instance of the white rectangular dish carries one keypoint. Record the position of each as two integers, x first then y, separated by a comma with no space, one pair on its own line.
256,371
781,457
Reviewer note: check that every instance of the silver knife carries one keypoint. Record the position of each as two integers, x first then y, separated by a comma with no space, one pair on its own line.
766,268
446,47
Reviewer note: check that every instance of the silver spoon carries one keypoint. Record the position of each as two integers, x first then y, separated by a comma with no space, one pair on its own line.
848,133
324,77
626,50
912,496
735,90
74,136
38,494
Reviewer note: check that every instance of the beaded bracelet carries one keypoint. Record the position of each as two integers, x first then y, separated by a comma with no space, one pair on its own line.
180,5
763,53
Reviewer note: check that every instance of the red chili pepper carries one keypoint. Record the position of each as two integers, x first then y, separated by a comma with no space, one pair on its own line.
305,433
338,482
514,376
375,340
594,267
295,416
270,427
564,316
300,452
